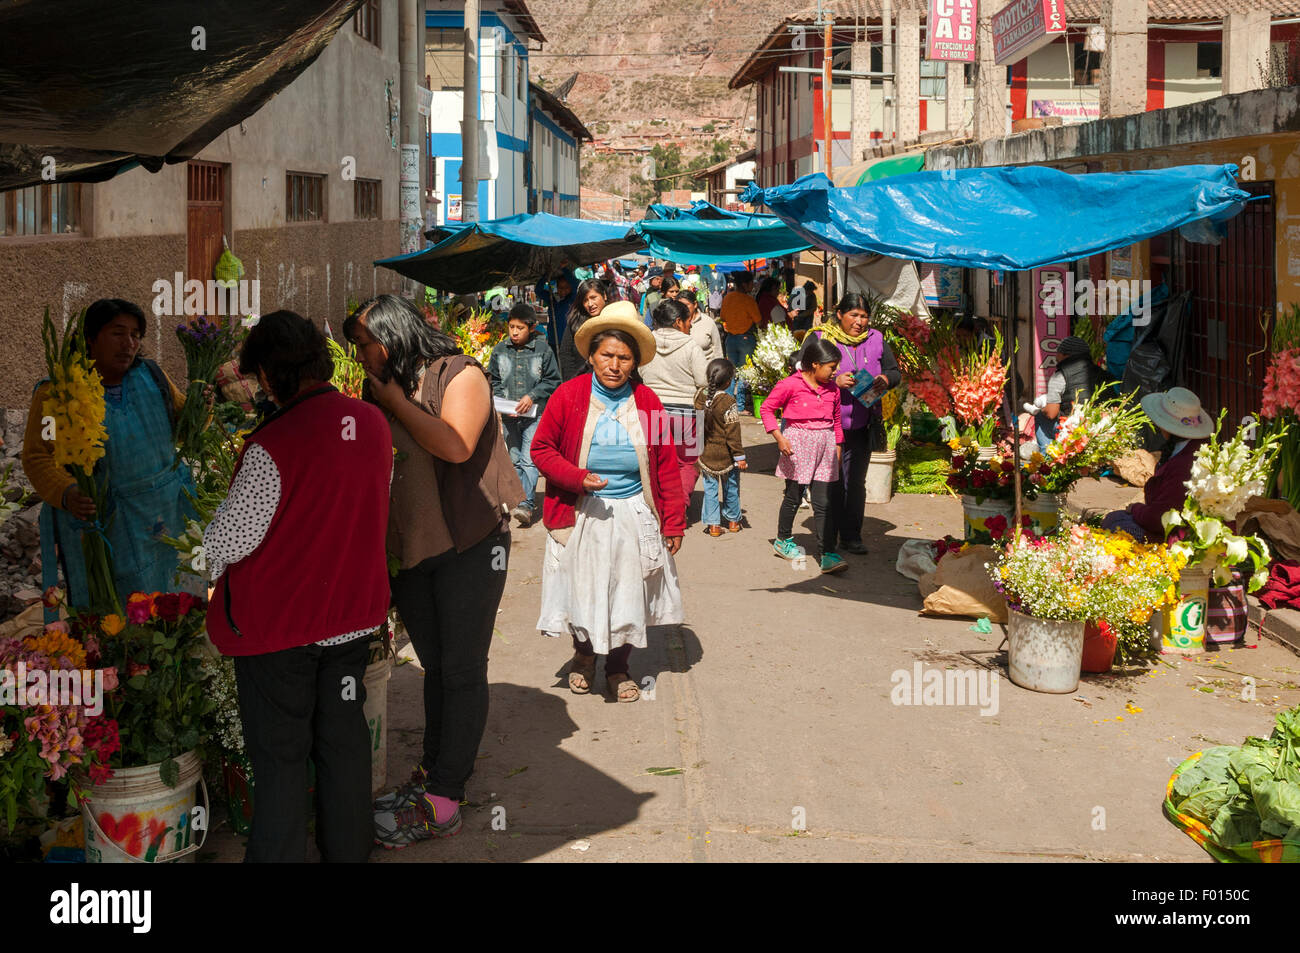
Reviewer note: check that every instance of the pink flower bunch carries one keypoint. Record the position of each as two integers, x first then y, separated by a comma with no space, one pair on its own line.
914,329
1282,384
928,389
59,731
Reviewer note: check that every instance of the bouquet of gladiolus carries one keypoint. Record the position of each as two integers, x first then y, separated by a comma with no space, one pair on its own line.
1280,400
207,345
74,413
1097,431
983,479
975,378
162,703
770,362
48,686
1224,478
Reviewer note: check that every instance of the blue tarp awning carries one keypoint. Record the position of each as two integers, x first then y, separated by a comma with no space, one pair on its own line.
1006,219
691,241
512,251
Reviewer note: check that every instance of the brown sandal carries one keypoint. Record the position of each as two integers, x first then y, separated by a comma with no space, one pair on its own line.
733,527
583,670
713,531
620,684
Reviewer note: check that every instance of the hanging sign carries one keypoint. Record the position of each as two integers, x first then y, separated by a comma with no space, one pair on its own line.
950,32
1051,323
1023,26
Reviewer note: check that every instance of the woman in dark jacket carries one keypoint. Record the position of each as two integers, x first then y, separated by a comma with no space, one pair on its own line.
449,536
589,300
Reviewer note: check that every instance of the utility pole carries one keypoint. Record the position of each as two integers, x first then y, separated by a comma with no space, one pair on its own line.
469,119
889,121
828,165
410,48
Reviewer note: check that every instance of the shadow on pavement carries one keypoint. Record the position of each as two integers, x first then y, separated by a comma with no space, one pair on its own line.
527,796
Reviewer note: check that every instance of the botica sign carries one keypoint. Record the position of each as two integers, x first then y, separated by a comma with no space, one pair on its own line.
1023,26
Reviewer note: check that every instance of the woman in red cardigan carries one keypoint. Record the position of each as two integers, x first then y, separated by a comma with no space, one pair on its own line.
614,508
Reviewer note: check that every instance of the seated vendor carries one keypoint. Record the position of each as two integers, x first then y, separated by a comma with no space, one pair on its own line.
1178,415
1076,379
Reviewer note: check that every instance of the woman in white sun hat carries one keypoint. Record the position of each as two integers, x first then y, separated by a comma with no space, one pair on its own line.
614,510
1180,418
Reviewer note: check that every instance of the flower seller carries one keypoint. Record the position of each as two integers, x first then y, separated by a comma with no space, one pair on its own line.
146,491
1179,417
862,348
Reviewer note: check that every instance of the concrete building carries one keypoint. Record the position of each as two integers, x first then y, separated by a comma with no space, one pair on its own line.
1235,286
555,141
728,178
304,192
505,30
1170,53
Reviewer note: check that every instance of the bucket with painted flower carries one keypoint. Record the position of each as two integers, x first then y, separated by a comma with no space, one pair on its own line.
136,817
976,517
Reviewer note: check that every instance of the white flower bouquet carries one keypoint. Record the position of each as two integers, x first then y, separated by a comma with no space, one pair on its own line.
1224,478
770,362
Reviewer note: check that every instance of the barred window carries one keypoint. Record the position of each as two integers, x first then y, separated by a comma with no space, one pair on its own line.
304,197
52,209
366,21
365,199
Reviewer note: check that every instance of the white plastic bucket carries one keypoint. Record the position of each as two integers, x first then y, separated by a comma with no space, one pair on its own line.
880,477
376,712
1045,511
134,817
975,515
985,454
1044,655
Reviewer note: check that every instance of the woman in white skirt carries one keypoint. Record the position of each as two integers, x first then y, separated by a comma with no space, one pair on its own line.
614,508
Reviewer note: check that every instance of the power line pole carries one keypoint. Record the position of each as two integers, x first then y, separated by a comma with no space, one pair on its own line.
889,117
410,45
827,105
469,118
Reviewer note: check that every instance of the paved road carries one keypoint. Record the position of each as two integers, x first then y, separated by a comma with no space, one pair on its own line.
772,712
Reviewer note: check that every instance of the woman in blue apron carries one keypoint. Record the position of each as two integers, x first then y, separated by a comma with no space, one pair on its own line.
146,491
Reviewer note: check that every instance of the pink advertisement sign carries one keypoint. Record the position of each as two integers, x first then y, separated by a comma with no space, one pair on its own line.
951,33
1051,326
1023,26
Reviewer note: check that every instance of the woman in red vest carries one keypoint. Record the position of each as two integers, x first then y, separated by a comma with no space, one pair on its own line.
615,509
449,537
297,551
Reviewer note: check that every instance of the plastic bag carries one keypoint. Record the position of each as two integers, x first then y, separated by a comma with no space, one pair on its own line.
916,559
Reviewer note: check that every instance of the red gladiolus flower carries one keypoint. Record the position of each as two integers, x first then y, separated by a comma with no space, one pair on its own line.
99,773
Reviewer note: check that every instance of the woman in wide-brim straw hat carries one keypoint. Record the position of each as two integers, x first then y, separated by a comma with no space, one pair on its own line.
1180,418
614,508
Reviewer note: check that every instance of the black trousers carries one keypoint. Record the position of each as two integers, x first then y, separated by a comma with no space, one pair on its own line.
823,519
298,704
849,495
449,606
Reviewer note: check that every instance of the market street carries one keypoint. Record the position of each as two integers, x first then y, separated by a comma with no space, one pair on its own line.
777,698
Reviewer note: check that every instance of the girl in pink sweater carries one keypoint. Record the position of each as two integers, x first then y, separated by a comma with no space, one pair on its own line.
810,446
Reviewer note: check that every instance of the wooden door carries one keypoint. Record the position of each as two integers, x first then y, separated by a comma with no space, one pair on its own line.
206,218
